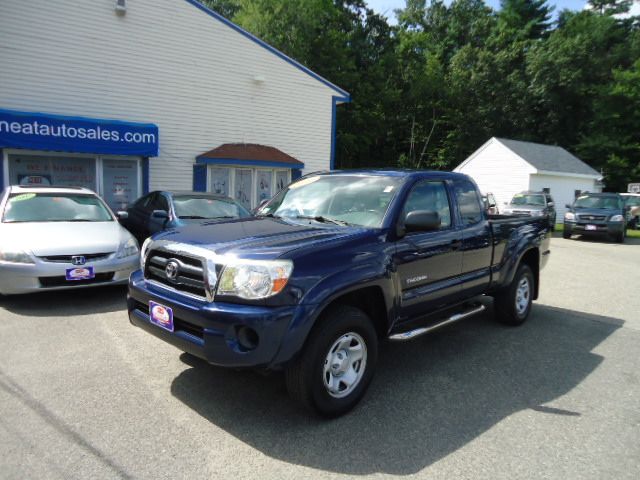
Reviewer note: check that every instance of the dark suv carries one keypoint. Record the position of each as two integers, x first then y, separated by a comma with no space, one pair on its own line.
532,204
596,214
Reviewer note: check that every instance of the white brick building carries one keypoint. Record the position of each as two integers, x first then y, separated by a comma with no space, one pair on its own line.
171,64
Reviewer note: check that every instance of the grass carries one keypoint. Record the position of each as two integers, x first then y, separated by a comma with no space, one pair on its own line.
630,233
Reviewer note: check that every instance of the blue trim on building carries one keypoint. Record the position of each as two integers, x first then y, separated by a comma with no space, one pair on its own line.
255,163
1,170
145,175
200,178
265,45
335,100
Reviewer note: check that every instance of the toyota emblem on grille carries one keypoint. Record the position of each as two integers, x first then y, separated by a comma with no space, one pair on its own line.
78,260
171,270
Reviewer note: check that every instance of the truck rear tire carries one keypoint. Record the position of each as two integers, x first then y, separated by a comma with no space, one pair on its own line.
513,305
566,234
337,363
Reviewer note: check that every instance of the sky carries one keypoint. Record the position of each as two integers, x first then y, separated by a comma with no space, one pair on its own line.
386,7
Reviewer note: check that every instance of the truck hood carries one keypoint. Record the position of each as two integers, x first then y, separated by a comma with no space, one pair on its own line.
63,238
259,238
597,211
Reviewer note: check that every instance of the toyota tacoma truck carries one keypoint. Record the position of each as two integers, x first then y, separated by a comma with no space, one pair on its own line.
331,266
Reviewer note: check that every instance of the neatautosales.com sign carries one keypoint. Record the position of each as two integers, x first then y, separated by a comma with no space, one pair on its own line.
40,131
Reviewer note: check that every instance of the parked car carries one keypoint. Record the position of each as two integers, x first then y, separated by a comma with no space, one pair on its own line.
490,204
632,202
61,237
164,210
333,264
534,204
594,214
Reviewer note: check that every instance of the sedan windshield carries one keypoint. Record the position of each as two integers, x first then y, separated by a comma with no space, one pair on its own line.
336,199
586,201
55,207
632,201
199,207
524,199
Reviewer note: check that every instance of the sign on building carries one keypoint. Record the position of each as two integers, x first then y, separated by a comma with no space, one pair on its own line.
633,188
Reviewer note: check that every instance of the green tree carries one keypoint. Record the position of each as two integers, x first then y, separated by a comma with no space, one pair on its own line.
610,7
525,18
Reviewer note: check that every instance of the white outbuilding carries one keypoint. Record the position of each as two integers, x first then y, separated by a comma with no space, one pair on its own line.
505,167
127,96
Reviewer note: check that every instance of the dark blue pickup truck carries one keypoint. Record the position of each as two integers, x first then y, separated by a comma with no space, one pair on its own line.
331,266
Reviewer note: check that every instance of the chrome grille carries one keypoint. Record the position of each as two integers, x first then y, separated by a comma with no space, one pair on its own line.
89,257
591,218
189,277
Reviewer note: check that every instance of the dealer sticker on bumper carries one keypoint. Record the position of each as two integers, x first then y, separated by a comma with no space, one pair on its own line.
79,273
161,315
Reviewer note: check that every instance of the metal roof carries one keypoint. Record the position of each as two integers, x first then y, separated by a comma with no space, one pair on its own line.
549,158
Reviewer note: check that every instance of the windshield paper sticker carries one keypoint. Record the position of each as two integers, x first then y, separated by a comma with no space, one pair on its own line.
23,196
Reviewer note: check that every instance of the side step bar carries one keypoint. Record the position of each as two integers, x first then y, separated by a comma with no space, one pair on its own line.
401,337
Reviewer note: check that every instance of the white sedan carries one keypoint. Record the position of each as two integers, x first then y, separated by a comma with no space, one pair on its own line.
61,237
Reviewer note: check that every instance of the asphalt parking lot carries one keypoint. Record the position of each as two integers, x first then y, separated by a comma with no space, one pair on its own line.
85,395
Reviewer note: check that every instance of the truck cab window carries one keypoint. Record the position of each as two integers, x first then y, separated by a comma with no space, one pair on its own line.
430,196
469,206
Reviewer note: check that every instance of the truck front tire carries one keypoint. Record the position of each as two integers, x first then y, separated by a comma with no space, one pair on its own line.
513,305
337,363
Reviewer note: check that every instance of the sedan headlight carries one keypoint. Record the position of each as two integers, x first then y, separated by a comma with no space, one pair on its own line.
15,256
569,216
254,280
128,248
143,252
617,218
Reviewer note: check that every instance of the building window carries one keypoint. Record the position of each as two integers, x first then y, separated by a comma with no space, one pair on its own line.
220,180
120,182
282,180
242,189
263,185
52,170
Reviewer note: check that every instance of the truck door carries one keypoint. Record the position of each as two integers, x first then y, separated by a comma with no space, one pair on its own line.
429,263
476,239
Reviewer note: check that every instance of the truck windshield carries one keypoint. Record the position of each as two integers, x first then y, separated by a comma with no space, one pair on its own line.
192,206
524,199
342,199
55,207
587,201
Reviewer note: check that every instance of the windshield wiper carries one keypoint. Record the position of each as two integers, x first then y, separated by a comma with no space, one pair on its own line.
270,215
321,219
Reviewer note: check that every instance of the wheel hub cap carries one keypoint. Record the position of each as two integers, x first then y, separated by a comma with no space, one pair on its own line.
522,296
344,365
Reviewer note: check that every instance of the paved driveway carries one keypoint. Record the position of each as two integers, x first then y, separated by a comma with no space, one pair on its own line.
85,395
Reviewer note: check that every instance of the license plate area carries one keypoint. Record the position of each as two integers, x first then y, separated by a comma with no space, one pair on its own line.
79,273
591,227
161,316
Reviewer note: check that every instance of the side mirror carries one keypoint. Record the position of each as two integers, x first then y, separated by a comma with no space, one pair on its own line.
422,221
550,204
492,205
160,215
122,215
260,205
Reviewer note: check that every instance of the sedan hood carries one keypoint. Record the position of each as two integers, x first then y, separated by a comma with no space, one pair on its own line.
259,238
63,238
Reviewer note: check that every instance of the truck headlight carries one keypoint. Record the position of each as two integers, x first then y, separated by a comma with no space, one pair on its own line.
538,213
569,216
617,218
255,279
15,256
128,248
143,252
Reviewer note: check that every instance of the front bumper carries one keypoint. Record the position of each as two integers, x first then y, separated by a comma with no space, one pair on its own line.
601,228
211,331
18,278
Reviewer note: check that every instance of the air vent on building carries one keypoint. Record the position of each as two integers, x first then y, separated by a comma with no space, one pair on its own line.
121,6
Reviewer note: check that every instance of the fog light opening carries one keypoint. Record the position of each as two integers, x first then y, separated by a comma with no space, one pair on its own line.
247,338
